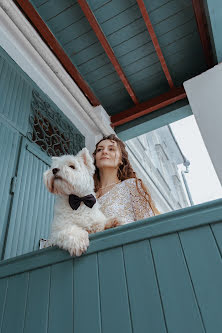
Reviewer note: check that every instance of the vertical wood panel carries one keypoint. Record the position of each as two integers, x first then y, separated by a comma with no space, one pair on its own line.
3,293
217,232
145,302
36,318
113,292
61,298
15,93
29,215
13,320
9,146
40,218
49,213
28,242
10,92
26,201
15,218
4,82
46,213
204,262
1,66
179,302
86,295
22,93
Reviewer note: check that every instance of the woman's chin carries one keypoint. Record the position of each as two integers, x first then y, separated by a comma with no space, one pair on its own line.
106,164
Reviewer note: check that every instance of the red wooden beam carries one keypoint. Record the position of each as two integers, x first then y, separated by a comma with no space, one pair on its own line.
51,41
155,41
144,108
100,35
201,20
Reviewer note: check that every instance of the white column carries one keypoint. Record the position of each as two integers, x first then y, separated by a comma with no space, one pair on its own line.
204,93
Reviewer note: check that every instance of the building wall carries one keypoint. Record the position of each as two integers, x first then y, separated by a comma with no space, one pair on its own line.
157,155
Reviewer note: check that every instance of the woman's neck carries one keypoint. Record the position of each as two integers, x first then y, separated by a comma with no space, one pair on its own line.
108,177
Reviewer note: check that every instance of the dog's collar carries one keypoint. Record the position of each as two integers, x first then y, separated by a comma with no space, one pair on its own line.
75,201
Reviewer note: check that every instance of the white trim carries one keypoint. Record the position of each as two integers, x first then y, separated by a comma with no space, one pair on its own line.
20,40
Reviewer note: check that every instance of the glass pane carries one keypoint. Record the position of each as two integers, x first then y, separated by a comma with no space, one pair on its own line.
175,165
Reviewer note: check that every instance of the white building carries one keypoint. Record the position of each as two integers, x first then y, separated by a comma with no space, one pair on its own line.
155,156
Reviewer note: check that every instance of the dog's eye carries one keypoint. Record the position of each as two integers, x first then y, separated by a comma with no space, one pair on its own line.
72,166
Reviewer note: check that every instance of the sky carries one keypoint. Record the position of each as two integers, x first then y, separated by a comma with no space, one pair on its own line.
202,178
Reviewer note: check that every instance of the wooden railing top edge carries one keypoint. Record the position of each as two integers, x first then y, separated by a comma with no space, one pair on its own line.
176,221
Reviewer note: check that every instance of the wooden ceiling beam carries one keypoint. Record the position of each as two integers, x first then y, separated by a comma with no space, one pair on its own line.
201,20
51,41
156,103
155,41
100,35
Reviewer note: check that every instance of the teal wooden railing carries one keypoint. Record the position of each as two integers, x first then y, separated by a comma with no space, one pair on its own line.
162,274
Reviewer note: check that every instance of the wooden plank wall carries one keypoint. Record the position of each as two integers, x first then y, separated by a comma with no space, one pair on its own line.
32,209
26,210
9,145
15,93
163,282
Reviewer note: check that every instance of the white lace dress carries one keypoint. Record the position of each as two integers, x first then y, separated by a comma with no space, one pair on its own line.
125,202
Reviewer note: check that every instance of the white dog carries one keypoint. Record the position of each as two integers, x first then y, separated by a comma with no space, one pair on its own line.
76,211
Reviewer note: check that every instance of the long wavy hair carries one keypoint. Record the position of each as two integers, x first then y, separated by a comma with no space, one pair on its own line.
125,171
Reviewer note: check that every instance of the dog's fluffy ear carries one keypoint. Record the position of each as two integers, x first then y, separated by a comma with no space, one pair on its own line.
48,180
87,159
54,158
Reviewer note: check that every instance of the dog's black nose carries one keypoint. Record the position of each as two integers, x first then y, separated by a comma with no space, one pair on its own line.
55,170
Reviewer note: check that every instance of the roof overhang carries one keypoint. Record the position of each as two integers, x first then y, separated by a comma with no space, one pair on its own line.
162,100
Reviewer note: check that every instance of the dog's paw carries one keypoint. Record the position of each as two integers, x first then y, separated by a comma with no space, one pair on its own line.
79,243
112,223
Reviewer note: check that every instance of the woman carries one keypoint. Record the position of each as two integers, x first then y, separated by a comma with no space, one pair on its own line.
120,193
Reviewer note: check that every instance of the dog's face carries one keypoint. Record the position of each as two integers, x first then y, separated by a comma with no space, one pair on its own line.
71,174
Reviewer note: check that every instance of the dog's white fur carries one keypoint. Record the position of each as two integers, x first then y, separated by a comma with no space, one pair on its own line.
70,227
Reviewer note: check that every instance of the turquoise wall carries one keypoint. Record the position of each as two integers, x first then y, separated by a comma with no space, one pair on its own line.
25,205
159,275
213,11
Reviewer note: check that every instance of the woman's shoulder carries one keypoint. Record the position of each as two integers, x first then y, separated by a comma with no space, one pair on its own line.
134,185
132,182
126,186
129,181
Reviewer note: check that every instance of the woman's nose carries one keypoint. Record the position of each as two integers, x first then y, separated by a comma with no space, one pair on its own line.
104,152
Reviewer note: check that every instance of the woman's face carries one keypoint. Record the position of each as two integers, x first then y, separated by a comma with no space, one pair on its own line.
108,154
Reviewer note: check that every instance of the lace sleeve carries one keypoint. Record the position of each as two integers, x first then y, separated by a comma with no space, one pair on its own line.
140,205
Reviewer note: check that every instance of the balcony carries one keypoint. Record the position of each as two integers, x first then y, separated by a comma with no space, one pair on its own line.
159,275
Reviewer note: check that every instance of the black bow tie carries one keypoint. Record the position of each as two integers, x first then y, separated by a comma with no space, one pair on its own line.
75,201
